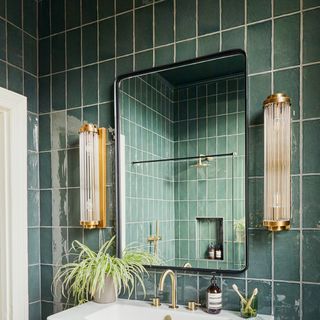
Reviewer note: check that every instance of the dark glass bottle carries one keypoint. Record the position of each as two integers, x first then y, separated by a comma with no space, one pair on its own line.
214,297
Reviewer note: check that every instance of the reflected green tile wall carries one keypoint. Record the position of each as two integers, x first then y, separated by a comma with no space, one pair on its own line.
251,28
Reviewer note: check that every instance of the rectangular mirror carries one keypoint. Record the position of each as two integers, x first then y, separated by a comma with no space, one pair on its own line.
181,162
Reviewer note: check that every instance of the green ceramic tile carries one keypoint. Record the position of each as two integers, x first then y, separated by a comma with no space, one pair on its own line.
34,285
58,169
33,137
311,206
57,16
73,168
164,22
58,91
164,55
286,6
3,75
33,170
74,207
73,124
106,8
58,52
264,295
124,65
311,94
287,256
44,18
2,8
3,37
58,130
89,11
73,13
143,28
311,152
311,260
256,202
311,26
46,280
15,79
185,19
232,13
75,234
311,307
73,48
295,202
46,309
208,16
286,300
288,82
124,5
106,115
35,310
295,148
44,56
185,50
258,10
14,10
89,44
287,41
45,169
30,54
259,47
14,45
44,95
233,39
187,288
106,80
256,151
33,245
144,60
91,239
30,90
90,114
124,34
106,39
208,44
59,207
260,88
46,208
259,254
33,208
230,300
310,3
74,88
90,84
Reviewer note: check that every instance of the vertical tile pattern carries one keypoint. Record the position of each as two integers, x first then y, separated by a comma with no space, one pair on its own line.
261,32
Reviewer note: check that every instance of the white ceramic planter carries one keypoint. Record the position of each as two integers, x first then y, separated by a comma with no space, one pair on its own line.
108,293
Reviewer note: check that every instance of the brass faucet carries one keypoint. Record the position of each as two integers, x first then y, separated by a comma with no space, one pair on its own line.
173,287
155,239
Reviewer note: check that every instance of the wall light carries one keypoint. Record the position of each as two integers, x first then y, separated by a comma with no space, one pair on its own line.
277,157
92,146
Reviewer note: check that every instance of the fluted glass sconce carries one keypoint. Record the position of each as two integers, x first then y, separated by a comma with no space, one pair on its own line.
92,146
277,157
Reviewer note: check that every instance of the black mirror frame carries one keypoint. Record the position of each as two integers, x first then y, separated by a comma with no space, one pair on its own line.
117,156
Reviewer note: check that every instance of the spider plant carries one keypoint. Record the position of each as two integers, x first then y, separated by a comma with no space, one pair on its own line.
83,278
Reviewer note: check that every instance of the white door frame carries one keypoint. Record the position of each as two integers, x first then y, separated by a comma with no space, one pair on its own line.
13,207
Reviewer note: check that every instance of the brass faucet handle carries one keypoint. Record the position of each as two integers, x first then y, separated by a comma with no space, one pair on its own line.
192,305
155,302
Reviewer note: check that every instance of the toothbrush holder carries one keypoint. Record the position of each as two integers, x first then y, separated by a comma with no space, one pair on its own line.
250,312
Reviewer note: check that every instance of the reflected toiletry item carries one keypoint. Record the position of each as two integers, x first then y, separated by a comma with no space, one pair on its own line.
214,297
211,251
218,252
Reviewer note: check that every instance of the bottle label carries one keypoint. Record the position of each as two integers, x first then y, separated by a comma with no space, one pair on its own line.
211,254
218,254
214,300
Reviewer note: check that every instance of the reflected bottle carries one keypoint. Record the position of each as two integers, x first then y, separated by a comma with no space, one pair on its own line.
214,297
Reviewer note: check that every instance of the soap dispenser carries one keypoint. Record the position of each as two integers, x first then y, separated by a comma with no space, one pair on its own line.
214,297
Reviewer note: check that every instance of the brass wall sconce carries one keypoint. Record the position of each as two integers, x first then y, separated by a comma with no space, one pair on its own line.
277,158
92,149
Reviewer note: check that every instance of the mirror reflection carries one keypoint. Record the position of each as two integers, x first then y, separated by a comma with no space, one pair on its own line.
181,158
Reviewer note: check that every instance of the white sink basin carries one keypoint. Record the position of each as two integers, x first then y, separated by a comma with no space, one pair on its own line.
140,310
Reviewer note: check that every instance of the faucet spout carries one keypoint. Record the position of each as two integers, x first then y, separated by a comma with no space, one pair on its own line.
170,273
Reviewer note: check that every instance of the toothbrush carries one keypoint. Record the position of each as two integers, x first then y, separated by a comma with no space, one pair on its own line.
248,305
235,288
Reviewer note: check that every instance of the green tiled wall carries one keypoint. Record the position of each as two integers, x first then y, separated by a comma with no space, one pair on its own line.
209,119
147,125
102,40
19,73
